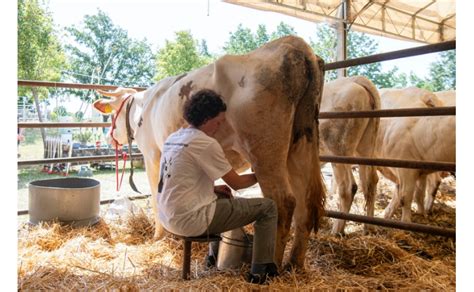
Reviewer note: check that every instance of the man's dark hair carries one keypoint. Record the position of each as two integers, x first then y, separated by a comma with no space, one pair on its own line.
203,106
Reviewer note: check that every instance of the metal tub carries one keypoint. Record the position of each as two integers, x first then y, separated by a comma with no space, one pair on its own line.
235,249
74,201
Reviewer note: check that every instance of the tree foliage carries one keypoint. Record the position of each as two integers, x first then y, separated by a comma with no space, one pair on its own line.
443,72
40,56
102,53
358,45
243,40
282,30
181,55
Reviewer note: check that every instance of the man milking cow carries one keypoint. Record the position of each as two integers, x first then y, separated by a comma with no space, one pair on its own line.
190,204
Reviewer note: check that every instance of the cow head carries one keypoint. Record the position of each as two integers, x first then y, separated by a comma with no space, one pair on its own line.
116,106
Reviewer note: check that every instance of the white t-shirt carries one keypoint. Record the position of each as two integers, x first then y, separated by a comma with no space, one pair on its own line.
190,163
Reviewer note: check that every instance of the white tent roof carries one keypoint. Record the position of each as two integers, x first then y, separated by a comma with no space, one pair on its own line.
426,21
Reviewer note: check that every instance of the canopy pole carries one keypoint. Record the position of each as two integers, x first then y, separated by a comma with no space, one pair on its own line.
341,34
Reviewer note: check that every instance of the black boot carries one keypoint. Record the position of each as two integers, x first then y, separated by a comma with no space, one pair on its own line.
210,261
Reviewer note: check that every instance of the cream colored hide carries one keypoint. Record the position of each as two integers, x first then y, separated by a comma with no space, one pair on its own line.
273,95
426,190
412,138
350,137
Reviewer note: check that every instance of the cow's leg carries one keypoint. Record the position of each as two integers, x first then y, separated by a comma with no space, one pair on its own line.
403,195
368,180
347,189
152,164
308,189
434,180
394,203
407,190
420,190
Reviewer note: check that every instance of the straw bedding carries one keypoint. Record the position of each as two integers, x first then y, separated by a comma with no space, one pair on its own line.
121,255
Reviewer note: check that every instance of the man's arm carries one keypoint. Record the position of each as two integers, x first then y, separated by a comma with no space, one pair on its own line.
237,182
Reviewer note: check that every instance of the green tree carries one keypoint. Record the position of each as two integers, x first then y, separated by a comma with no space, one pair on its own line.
102,53
262,36
359,45
179,56
282,30
415,80
325,47
443,71
240,41
205,54
40,56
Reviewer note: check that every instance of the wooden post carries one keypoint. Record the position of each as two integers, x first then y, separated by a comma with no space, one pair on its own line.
187,259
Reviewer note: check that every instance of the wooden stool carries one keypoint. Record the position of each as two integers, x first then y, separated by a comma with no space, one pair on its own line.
187,242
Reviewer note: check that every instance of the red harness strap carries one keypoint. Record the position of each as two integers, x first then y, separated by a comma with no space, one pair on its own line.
124,154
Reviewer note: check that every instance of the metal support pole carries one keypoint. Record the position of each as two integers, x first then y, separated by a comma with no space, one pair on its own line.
341,34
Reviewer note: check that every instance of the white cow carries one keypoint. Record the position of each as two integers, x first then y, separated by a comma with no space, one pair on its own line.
350,137
273,95
412,138
427,189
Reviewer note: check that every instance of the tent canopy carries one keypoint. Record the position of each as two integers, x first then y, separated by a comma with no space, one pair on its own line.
425,21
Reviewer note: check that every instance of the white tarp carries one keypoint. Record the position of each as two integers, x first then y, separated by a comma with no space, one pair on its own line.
426,21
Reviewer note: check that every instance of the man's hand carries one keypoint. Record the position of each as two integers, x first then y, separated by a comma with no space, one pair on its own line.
223,191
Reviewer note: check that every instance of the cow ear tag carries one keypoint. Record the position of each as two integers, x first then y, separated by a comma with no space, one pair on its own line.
103,107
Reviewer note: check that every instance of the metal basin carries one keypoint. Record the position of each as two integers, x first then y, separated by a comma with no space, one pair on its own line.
235,249
74,201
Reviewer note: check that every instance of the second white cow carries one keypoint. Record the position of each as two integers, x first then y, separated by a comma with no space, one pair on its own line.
412,138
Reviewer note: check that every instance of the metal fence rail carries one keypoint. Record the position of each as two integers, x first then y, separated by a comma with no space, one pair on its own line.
438,166
391,113
36,83
74,159
386,113
64,125
415,227
421,50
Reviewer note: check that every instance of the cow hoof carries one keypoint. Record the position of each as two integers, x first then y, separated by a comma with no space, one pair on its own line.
340,234
293,268
370,229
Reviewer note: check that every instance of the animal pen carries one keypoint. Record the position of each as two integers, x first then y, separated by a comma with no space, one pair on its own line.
122,255
369,256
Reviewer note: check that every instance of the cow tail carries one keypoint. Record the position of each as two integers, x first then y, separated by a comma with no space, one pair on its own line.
370,133
304,164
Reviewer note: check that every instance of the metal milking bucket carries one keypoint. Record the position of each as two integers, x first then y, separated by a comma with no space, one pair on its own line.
235,249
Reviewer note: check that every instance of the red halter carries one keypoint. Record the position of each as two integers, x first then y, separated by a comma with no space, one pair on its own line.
114,119
124,154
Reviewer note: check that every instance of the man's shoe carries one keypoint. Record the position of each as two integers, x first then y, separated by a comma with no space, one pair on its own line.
210,261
